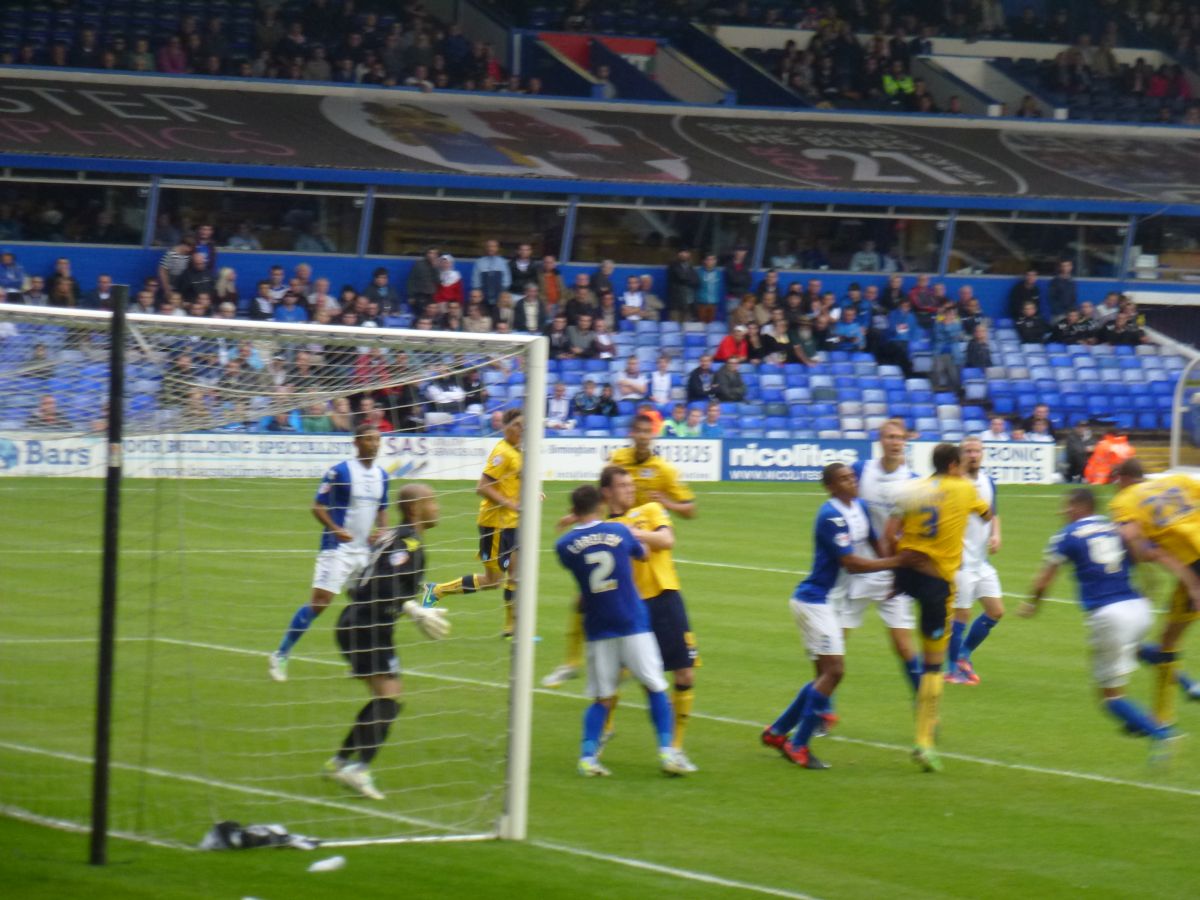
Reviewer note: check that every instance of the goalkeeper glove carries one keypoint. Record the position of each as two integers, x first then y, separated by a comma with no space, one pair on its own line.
431,621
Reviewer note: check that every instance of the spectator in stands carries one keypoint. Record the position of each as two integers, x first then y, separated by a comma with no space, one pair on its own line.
340,416
997,430
504,314
580,298
979,352
587,401
276,286
734,343
633,301
225,290
948,352
1123,331
1040,434
745,312
711,290
785,255
558,409
848,333
206,244
760,347
450,283
683,281
602,279
1061,293
608,403
380,291
631,383
197,278
490,274
898,85
62,285
582,338
900,332
603,345
923,302
1024,291
423,279
36,294
172,58
12,277
654,305
315,418
101,296
143,303
1107,311
661,380
970,315
738,276
47,417
1079,447
701,383
173,264
867,259
262,305
476,322
560,341
289,309
1031,327
1110,451
729,385
522,269
1039,419
712,428
550,282
532,315
1070,330
242,239
677,425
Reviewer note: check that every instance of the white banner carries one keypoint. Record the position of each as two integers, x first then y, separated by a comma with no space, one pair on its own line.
308,456
1008,462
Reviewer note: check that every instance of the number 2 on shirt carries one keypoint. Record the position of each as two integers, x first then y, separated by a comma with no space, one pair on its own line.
602,564
929,527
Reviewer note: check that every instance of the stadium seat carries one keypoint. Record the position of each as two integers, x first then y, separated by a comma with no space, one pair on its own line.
797,395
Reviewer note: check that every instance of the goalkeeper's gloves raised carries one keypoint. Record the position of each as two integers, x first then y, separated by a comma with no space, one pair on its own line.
431,621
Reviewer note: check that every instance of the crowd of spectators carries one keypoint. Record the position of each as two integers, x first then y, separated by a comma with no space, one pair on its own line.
793,323
321,40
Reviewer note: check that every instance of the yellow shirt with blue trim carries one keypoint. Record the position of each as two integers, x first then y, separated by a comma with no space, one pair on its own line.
935,512
504,468
652,475
1168,511
656,572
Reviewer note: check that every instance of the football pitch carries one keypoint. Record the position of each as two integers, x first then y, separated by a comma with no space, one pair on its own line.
1040,795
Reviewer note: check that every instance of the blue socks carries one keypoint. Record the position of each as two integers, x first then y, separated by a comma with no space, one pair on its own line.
1135,720
980,629
816,704
593,726
912,670
956,638
662,717
300,621
791,716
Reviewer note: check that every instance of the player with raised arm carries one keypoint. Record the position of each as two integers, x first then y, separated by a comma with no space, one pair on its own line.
616,624
351,504
977,579
658,583
1160,520
388,588
499,487
879,482
841,534
927,528
655,480
1117,616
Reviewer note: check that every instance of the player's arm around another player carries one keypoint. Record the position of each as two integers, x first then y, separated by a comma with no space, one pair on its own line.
833,553
351,505
389,587
1117,617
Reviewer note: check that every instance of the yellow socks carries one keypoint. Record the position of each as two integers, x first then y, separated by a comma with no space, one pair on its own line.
682,702
929,697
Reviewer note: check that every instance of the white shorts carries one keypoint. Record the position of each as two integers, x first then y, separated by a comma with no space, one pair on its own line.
338,568
819,628
975,584
1114,634
636,652
896,612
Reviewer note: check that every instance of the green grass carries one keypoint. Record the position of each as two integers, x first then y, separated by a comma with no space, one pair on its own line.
1040,795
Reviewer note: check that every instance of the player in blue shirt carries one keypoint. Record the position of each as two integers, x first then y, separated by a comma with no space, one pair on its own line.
616,626
351,505
842,528
1117,616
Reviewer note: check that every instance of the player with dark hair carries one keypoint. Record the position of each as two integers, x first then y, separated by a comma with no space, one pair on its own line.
841,536
617,626
930,523
499,487
655,480
1117,616
351,505
390,587
1160,521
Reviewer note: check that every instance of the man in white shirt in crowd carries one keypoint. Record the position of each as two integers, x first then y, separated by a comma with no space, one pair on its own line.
660,381
632,384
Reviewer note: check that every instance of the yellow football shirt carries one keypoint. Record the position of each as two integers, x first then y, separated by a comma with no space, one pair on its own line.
650,475
935,512
656,573
504,468
1168,511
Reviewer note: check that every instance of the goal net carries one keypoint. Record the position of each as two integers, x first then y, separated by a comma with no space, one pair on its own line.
1185,419
229,426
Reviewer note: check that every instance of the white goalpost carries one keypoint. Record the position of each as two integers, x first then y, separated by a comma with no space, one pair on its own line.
228,427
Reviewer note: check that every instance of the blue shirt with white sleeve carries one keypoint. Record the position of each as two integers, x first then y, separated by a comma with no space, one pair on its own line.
1094,547
354,494
832,539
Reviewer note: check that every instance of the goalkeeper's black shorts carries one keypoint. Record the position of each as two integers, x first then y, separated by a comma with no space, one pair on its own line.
368,647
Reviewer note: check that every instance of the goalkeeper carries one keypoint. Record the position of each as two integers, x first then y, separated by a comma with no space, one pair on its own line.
388,588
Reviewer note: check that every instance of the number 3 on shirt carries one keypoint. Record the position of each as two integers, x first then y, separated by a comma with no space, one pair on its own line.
929,526
602,564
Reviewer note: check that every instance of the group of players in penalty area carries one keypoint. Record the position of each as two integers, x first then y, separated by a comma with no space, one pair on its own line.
916,549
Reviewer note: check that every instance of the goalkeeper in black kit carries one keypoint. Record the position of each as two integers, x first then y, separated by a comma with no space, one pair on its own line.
388,588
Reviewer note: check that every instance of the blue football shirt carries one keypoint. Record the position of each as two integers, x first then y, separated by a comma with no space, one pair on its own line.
1094,547
598,554
831,541
354,494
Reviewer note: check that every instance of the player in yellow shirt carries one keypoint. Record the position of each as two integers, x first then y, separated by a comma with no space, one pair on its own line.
499,488
1163,515
655,480
658,583
927,529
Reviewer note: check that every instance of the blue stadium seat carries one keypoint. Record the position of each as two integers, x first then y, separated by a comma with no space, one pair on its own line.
826,423
797,395
595,422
